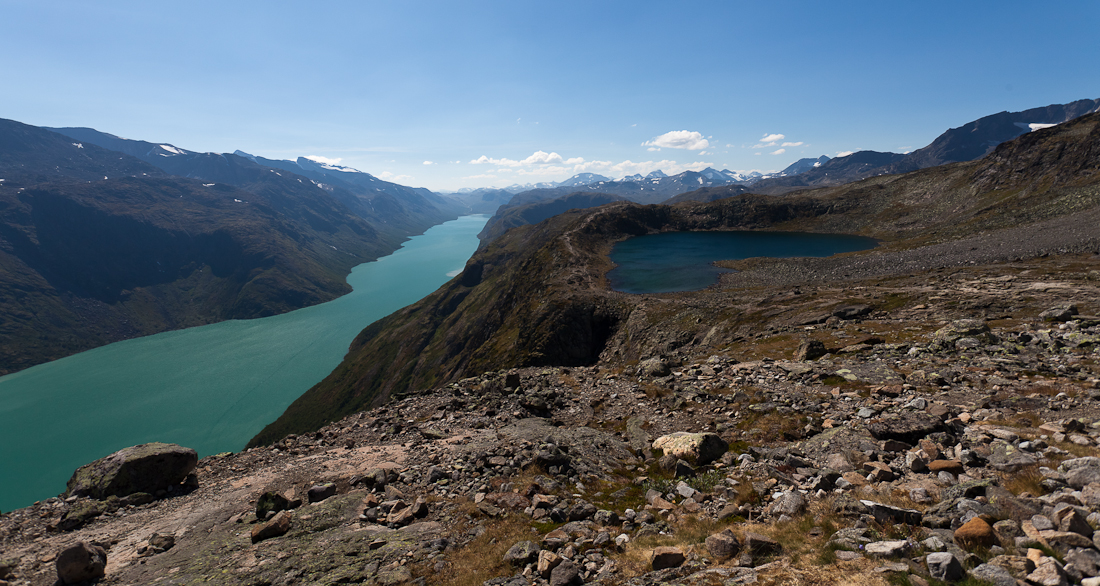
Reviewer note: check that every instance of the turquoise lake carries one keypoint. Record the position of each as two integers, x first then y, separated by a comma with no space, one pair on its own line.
682,261
210,388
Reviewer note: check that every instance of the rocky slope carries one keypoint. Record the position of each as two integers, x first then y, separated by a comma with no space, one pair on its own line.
901,429
537,296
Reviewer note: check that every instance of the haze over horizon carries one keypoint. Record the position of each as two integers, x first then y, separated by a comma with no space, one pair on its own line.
443,96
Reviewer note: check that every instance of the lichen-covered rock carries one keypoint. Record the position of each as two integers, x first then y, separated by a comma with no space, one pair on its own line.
699,449
946,336
522,553
81,562
143,468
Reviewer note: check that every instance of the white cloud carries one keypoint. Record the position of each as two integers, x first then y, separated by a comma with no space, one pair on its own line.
844,153
679,139
653,149
428,163
779,151
324,160
772,138
536,158
792,144
542,158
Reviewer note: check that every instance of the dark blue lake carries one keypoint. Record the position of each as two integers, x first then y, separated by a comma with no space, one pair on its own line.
683,261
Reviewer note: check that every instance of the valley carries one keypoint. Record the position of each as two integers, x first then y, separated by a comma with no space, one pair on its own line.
919,412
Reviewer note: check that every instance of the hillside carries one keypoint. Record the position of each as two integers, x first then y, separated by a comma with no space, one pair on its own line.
538,296
521,214
98,247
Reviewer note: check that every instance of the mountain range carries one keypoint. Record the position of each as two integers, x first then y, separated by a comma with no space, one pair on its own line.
103,238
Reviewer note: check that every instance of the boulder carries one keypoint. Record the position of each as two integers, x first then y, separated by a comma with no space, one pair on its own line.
522,553
276,527
909,427
698,448
889,514
1059,313
723,545
320,492
944,566
566,573
81,562
1048,573
810,350
654,367
548,560
142,468
946,336
995,575
1087,561
975,533
789,503
760,545
667,557
888,549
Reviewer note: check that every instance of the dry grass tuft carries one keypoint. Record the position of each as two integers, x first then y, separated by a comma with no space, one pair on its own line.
483,558
689,533
1025,480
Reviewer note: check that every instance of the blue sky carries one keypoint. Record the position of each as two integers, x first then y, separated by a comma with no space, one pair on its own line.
419,92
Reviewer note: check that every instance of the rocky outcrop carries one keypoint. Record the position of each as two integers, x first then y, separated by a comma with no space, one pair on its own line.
146,468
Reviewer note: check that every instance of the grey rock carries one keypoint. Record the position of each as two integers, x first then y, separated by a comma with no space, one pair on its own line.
522,553
789,503
944,566
946,336
565,574
888,549
1060,313
838,462
893,515
1048,573
699,449
1087,561
920,495
1042,523
995,575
